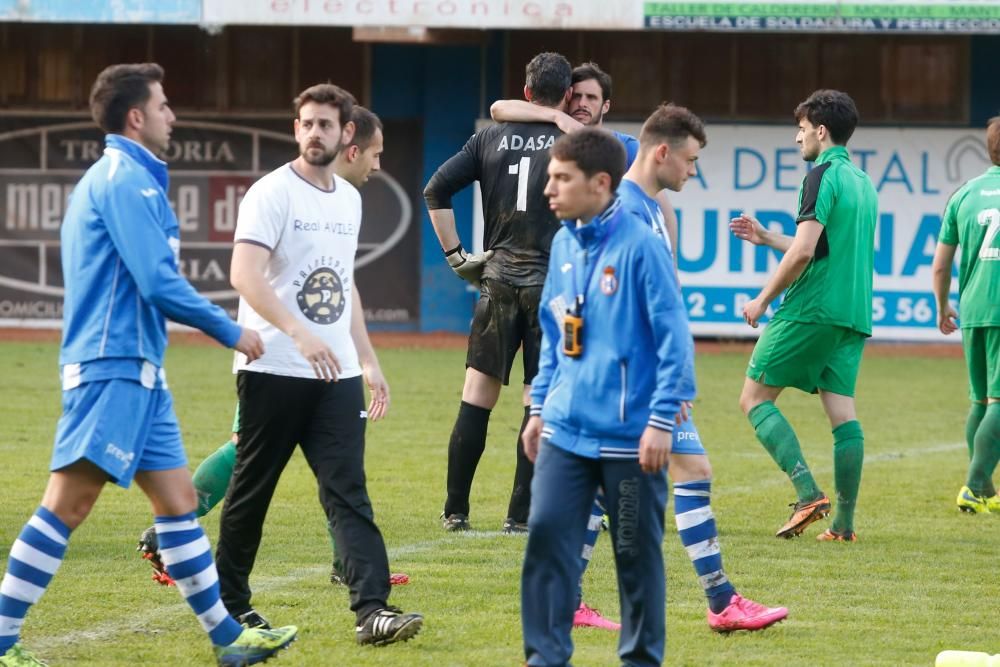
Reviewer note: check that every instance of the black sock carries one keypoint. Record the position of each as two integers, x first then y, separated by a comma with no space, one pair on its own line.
468,440
520,496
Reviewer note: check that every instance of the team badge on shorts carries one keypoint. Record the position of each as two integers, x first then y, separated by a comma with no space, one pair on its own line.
609,283
321,298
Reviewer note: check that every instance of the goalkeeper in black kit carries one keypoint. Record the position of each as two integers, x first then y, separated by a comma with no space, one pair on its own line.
509,160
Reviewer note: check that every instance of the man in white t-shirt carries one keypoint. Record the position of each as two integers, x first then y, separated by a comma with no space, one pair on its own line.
293,265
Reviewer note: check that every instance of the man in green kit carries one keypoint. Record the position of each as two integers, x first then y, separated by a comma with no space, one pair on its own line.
816,337
972,220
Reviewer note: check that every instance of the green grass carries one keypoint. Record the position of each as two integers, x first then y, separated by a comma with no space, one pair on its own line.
919,580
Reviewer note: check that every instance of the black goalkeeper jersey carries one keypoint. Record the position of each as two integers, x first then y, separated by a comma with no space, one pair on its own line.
510,161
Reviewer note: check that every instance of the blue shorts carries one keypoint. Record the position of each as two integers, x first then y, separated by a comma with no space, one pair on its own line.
119,426
686,439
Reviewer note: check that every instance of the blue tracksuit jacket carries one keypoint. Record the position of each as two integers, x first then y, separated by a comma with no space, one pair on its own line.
120,249
636,368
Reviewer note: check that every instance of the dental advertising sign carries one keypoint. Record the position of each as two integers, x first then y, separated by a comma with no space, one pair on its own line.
758,170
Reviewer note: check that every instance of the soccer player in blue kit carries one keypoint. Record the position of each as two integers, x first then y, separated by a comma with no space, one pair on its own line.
668,149
120,247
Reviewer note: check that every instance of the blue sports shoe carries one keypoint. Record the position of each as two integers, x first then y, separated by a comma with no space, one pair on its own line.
255,645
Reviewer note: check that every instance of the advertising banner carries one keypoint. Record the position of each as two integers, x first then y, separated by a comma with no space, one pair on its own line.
874,16
758,169
475,14
212,163
102,11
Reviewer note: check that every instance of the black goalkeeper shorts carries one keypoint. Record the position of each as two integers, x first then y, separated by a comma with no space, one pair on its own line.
506,318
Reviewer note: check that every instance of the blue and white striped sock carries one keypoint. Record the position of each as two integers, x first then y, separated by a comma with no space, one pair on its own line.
36,555
696,527
593,530
187,555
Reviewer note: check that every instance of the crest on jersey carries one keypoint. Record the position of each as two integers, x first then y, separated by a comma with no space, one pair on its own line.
321,298
609,282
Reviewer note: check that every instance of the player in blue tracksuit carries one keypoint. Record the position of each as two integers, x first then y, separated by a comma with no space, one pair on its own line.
588,106
120,249
614,333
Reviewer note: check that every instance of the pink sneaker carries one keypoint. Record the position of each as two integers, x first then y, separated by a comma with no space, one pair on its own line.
588,617
744,614
398,579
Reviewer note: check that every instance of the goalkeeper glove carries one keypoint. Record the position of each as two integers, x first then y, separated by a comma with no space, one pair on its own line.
468,267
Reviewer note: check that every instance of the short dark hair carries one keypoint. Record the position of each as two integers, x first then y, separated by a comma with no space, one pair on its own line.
119,88
365,125
591,70
832,108
672,124
327,93
548,76
993,139
594,151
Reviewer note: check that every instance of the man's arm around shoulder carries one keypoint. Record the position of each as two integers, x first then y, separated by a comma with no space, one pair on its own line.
521,111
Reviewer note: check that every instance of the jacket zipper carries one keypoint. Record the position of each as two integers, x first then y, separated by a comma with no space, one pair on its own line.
623,365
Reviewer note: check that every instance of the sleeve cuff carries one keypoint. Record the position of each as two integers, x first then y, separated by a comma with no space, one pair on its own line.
661,423
535,410
231,335
436,201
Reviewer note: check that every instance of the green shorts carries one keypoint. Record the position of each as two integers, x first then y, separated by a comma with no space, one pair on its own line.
807,356
982,357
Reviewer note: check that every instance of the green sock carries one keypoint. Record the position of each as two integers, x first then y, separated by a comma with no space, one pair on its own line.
211,479
778,438
986,454
848,458
976,413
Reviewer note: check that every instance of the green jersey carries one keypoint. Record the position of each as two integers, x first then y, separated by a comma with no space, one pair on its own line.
972,220
836,286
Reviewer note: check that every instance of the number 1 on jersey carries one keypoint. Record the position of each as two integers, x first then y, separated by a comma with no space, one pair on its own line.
521,169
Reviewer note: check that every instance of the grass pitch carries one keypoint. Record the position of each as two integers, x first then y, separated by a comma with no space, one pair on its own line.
921,578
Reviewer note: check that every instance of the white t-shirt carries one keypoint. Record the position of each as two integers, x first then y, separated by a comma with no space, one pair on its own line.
313,236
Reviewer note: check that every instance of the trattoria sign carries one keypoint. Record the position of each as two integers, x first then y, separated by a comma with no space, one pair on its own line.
212,164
